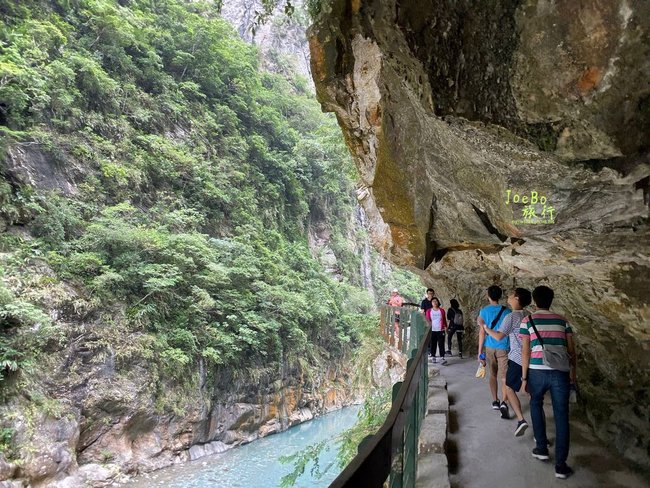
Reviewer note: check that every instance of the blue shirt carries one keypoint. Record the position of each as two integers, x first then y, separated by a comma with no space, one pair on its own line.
488,314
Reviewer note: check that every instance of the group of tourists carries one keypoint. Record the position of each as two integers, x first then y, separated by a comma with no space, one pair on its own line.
443,322
524,352
532,353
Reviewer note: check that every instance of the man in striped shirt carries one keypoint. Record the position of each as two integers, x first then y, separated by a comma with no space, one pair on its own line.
537,378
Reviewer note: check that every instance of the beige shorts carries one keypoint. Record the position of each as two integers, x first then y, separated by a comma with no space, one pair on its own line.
497,360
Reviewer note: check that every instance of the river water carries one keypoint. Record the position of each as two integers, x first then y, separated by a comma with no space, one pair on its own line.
258,463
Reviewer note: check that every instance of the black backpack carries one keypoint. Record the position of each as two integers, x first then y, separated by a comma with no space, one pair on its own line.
458,318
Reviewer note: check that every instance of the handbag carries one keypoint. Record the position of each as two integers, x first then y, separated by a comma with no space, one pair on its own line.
554,356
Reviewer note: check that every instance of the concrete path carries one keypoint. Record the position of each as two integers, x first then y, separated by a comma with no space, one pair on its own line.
483,452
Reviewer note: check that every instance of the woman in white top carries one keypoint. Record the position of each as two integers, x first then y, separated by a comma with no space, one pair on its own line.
438,320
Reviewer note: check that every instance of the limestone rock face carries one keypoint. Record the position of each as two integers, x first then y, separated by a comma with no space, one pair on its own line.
507,142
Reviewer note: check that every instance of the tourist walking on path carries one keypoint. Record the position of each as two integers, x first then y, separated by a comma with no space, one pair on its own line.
548,364
456,326
484,454
397,301
518,300
496,352
436,315
426,301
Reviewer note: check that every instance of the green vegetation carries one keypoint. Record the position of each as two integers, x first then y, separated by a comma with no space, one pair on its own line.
187,181
195,180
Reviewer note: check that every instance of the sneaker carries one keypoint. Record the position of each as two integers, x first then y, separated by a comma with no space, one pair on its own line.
443,361
495,405
504,410
448,353
539,454
460,356
434,359
563,472
522,425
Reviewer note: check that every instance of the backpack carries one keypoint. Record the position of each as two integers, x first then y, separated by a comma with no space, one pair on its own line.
458,317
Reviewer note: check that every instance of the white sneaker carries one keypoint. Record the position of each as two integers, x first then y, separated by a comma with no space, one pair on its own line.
443,362
434,359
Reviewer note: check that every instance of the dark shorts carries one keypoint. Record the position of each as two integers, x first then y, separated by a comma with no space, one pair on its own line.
513,376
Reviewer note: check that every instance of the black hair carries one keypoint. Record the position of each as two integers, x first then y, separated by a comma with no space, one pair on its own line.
454,303
543,297
437,300
495,292
524,297
430,290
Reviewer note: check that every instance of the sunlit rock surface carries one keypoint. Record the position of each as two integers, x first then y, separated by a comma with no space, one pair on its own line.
507,142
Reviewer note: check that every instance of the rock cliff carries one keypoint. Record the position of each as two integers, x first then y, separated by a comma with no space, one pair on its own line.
94,425
507,141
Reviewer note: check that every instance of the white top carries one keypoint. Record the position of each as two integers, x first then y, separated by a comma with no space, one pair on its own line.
436,320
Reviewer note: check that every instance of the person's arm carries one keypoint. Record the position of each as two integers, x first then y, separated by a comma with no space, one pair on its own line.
503,329
573,360
481,336
493,333
444,320
525,360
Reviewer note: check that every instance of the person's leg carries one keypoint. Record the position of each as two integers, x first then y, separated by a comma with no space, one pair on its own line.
459,338
502,369
537,386
435,344
491,359
514,402
513,384
441,344
560,398
450,334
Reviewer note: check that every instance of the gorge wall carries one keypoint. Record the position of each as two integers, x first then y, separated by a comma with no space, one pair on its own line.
94,424
507,142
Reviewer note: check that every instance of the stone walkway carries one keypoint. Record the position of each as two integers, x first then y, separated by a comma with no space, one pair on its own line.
482,451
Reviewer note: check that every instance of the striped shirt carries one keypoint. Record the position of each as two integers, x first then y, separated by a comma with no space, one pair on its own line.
510,327
553,328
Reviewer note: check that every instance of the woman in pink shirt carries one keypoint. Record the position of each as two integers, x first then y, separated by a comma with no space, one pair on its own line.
436,315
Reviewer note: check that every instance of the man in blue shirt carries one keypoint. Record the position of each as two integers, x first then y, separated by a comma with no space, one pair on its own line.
496,352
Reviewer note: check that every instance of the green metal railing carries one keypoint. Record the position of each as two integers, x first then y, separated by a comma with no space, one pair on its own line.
395,326
391,454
